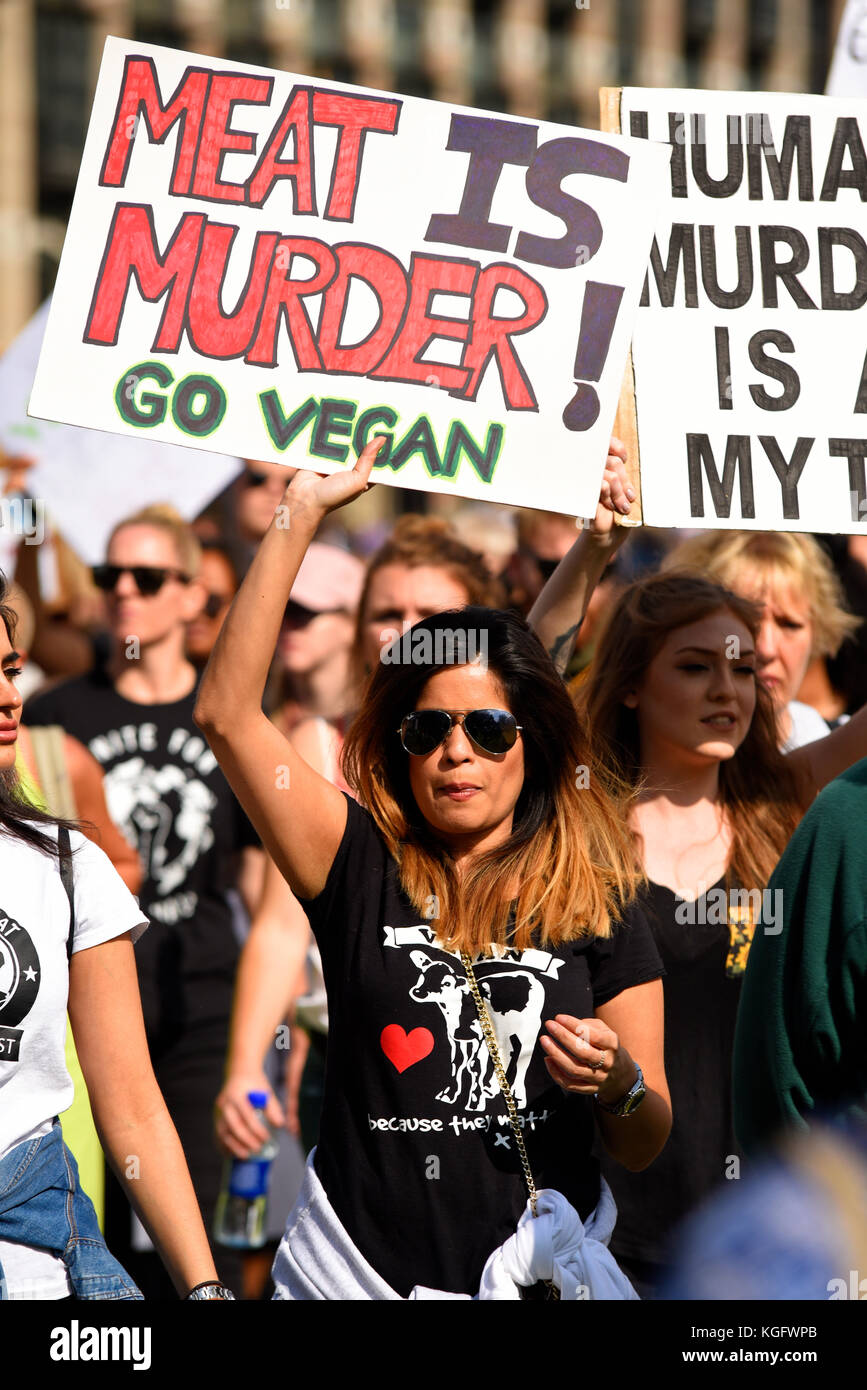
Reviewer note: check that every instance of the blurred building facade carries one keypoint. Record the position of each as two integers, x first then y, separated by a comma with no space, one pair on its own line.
542,58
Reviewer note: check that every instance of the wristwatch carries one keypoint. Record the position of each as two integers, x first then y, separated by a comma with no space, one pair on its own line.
629,1103
209,1290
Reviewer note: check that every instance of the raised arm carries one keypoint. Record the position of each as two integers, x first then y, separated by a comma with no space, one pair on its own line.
558,612
299,816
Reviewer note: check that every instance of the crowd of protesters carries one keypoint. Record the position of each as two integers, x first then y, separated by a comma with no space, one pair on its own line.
323,835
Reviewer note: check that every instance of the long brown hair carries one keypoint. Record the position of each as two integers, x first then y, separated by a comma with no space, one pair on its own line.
758,790
569,851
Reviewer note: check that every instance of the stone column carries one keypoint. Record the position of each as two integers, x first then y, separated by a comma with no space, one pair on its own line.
521,44
789,68
447,49
659,61
592,61
370,34
725,61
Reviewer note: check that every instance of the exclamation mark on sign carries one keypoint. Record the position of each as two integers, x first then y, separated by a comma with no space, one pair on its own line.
598,316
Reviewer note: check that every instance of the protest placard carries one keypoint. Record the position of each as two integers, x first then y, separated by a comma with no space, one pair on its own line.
848,75
750,377
88,480
282,267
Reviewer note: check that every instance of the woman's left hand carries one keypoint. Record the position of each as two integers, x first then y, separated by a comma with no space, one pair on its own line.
616,496
584,1057
320,493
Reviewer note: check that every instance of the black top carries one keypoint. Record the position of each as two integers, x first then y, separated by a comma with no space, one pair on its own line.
416,1153
165,791
704,957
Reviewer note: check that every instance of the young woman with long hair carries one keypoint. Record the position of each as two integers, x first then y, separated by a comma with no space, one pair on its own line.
422,568
66,938
803,616
677,713
483,836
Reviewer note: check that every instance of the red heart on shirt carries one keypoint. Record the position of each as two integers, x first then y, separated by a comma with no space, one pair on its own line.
405,1049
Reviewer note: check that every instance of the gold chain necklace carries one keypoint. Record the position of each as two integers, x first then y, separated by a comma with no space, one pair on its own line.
494,1051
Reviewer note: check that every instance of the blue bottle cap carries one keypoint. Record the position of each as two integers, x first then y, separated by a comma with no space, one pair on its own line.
258,1099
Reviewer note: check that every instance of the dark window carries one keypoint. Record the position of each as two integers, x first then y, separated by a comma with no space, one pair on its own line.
698,22
487,90
763,26
327,34
822,40
63,104
409,75
244,43
154,21
627,40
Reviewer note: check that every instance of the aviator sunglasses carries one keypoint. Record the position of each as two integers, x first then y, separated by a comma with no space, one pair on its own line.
149,579
492,730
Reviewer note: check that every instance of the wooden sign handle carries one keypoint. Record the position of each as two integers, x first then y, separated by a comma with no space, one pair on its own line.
626,419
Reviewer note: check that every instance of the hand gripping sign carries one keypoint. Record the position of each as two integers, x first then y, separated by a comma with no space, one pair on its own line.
277,267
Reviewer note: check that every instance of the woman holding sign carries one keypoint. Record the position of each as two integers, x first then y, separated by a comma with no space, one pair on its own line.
421,569
471,910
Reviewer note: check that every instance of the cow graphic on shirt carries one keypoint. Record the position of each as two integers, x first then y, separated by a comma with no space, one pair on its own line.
515,1000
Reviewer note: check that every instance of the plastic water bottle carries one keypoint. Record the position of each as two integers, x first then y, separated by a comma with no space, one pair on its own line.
240,1216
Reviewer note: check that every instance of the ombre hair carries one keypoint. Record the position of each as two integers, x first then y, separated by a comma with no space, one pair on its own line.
569,853
758,790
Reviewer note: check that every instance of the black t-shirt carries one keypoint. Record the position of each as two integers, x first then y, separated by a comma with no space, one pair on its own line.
704,948
416,1152
165,791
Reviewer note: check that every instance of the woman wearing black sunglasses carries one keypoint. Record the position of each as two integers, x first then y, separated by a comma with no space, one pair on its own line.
483,881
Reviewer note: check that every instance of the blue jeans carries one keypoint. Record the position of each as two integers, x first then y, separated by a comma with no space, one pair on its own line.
41,1203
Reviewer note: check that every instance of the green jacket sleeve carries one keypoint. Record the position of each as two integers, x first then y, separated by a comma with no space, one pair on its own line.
801,1036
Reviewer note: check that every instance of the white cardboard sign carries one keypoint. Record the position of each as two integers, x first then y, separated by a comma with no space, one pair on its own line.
750,350
848,75
280,267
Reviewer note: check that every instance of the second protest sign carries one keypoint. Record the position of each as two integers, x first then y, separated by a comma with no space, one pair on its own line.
750,343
